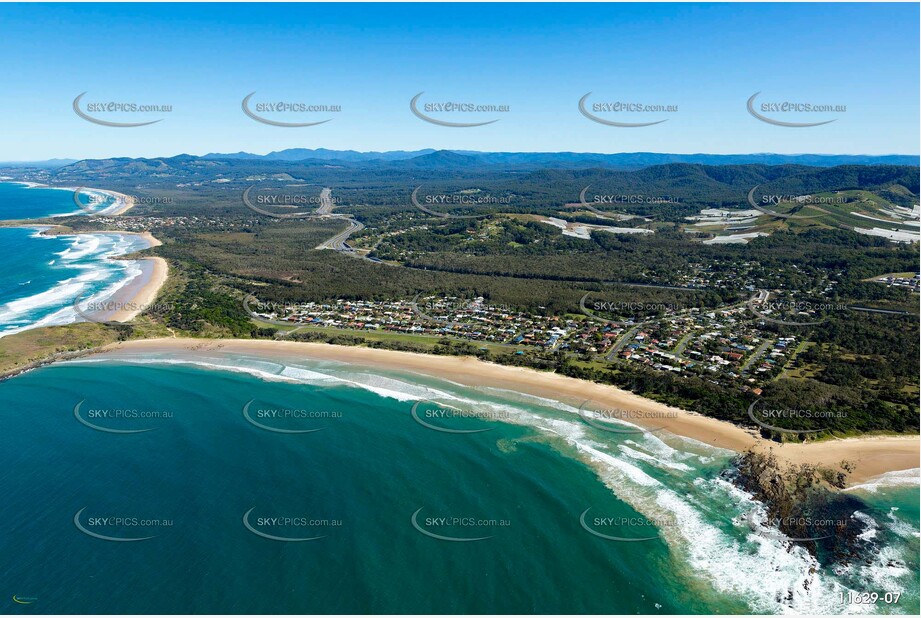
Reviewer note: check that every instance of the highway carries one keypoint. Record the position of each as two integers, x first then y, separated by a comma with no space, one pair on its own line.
338,242
326,202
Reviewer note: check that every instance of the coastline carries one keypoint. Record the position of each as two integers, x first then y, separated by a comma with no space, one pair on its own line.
136,294
872,456
139,293
122,202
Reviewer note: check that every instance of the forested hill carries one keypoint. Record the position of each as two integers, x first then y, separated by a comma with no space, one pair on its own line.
624,160
459,160
666,179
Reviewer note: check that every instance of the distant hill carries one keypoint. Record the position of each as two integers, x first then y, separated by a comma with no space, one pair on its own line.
688,186
850,177
430,159
323,154
442,159
634,160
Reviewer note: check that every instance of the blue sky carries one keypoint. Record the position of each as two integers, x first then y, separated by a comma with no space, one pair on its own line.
538,59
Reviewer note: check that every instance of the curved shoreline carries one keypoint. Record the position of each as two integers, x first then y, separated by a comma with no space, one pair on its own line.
138,293
122,202
134,297
871,455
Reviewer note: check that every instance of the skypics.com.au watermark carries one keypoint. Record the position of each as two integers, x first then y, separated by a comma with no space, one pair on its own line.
120,528
120,420
623,421
281,113
105,112
278,313
624,312
451,419
591,202
289,528
771,111
631,199
287,420
791,311
463,199
286,203
623,529
605,112
774,200
811,528
457,528
765,415
99,203
115,312
456,312
455,110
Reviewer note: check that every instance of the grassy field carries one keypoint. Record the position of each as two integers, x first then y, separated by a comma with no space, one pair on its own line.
40,344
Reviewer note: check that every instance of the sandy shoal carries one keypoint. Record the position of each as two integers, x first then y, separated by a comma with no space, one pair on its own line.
871,456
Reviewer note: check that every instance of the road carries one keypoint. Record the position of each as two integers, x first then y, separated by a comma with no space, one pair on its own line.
756,355
326,202
679,349
338,242
885,311
624,340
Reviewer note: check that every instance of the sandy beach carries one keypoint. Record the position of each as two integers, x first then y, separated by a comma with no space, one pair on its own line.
872,456
121,203
136,299
137,296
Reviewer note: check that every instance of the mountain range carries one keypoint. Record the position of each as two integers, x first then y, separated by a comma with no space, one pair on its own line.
459,159
625,160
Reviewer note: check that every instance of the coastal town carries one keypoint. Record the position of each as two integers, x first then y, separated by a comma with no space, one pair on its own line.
736,345
726,345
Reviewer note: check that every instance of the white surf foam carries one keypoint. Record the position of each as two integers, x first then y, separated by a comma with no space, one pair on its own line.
772,575
890,479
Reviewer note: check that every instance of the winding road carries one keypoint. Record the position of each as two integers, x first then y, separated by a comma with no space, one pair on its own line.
338,242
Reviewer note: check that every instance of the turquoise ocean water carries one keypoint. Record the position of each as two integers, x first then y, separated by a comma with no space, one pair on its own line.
43,275
19,201
362,502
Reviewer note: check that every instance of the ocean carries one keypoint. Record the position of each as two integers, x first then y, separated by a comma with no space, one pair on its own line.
44,275
240,484
20,201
